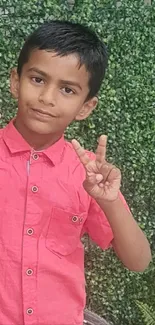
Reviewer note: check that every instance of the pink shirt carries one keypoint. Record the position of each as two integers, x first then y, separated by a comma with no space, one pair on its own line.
44,211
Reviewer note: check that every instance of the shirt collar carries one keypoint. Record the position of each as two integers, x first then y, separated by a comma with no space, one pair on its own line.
16,143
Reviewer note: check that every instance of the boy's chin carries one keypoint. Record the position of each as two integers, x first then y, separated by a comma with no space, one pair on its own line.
41,128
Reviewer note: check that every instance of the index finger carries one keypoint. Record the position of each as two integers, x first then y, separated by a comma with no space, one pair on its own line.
80,152
101,149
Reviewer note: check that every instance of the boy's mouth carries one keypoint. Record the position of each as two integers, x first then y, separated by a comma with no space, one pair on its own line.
42,112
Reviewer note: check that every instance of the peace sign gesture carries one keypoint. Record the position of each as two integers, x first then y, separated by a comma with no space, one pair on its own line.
102,178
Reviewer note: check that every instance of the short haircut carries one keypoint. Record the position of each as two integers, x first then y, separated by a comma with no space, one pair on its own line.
64,38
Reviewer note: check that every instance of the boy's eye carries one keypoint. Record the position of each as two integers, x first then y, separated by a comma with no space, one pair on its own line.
37,80
67,90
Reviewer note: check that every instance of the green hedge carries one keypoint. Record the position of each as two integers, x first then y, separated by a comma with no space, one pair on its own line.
126,113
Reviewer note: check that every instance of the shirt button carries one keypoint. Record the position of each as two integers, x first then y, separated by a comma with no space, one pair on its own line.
30,231
29,311
74,218
34,189
29,272
35,156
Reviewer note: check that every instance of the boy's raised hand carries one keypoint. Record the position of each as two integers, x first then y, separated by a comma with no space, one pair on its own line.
102,178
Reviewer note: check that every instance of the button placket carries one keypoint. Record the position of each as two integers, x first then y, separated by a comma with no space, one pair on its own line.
30,242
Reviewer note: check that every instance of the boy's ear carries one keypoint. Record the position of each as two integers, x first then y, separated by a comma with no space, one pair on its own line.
14,83
87,109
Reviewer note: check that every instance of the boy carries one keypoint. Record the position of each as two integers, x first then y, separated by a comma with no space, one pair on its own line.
51,191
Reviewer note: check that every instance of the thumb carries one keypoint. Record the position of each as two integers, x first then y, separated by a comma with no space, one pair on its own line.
94,178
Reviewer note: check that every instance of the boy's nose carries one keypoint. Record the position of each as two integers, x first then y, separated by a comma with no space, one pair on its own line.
47,96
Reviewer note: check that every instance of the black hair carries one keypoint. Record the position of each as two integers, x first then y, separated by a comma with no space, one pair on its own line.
66,38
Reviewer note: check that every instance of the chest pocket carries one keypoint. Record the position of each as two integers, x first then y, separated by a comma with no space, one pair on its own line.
64,231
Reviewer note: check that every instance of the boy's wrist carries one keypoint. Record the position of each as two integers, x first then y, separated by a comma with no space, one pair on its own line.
108,203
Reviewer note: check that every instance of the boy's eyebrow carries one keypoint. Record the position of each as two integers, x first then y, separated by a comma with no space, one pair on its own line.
38,71
71,83
67,82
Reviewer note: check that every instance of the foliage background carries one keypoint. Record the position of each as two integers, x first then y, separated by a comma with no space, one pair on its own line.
126,113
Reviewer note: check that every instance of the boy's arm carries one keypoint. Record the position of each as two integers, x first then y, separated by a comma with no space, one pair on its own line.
102,183
129,243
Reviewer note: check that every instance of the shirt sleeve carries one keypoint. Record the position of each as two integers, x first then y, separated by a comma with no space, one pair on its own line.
97,225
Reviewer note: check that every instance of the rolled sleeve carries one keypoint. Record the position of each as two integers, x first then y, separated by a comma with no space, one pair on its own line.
97,225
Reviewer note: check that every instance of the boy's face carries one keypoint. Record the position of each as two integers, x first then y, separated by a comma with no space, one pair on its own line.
51,92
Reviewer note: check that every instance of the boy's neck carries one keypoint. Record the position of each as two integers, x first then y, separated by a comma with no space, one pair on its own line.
36,141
